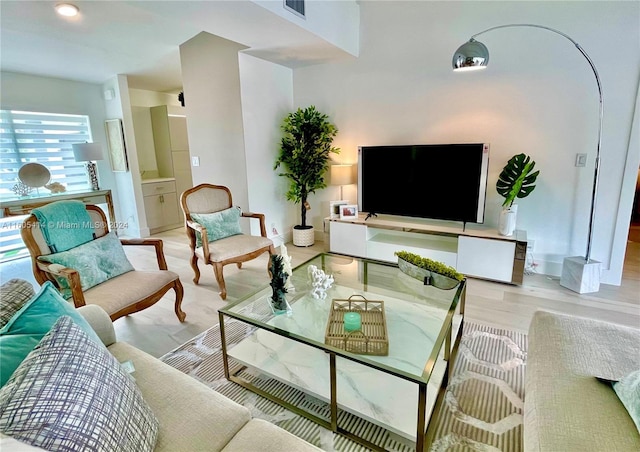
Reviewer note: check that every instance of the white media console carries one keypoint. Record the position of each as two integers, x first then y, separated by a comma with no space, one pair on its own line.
474,250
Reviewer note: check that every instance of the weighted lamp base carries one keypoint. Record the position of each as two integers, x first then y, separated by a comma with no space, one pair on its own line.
579,275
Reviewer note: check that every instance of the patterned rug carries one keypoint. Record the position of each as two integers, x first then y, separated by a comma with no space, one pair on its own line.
482,410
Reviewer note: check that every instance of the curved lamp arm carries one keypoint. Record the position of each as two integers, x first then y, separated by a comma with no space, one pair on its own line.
479,56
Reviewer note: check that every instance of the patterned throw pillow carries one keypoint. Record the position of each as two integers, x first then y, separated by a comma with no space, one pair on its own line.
218,224
71,394
13,295
97,261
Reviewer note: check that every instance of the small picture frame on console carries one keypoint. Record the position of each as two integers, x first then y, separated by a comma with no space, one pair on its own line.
334,208
349,212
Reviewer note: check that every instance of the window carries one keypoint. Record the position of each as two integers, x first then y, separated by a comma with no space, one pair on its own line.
44,138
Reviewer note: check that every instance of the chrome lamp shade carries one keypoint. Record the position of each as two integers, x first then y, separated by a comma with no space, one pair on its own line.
470,56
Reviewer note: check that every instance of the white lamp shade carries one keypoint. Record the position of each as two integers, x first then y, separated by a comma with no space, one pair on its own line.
87,152
342,175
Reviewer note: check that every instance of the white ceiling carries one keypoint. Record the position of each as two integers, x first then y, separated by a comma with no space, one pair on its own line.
141,38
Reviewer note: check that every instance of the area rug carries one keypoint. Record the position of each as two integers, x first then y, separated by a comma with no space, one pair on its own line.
482,410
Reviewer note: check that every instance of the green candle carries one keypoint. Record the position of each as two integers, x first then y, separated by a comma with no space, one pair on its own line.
352,321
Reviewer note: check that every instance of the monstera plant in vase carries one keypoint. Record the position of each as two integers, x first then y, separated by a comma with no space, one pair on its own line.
517,180
304,154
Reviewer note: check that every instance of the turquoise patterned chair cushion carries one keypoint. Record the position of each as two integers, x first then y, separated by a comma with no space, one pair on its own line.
71,394
219,225
96,261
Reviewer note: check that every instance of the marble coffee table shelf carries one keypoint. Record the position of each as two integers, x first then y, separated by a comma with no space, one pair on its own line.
399,392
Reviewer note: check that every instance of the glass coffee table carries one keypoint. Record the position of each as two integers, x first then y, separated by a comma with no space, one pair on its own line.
357,395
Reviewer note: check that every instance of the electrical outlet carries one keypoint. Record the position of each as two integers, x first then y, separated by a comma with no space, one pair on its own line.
195,161
530,244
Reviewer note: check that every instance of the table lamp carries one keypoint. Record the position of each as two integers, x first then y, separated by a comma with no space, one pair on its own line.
89,152
580,274
342,175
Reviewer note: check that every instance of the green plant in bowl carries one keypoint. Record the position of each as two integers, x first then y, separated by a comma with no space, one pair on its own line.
431,270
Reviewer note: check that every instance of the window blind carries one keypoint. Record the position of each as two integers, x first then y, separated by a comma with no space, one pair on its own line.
44,138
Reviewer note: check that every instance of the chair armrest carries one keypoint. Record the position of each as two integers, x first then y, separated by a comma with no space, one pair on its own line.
203,236
259,216
72,276
157,243
100,322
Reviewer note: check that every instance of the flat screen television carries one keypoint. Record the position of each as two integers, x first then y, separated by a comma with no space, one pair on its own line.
434,181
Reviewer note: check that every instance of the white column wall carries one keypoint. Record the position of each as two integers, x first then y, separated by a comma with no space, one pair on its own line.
267,97
538,96
211,82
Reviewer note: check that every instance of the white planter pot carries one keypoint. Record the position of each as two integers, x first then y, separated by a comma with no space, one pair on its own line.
507,221
303,237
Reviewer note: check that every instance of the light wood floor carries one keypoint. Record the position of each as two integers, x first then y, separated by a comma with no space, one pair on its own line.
157,330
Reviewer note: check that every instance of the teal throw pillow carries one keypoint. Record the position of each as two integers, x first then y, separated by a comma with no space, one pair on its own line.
25,329
97,261
219,225
628,391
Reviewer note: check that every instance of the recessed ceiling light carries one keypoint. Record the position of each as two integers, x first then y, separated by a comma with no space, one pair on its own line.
67,9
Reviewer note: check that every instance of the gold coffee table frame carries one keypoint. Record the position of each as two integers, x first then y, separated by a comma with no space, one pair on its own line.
446,338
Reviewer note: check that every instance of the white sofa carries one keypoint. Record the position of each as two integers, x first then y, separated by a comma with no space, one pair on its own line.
191,416
566,408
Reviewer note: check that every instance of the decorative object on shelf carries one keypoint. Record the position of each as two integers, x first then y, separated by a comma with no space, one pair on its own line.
21,189
286,262
334,208
304,155
181,98
515,181
320,282
56,187
371,338
88,153
428,271
352,321
278,301
582,274
117,148
34,175
342,175
349,212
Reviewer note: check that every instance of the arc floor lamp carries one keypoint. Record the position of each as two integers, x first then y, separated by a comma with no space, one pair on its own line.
580,274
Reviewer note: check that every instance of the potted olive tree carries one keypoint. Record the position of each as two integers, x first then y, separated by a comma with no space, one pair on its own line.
517,180
304,155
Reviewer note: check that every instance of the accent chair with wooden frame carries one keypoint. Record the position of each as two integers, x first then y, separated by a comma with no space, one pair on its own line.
121,295
234,249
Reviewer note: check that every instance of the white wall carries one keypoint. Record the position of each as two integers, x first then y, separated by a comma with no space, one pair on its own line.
132,218
267,97
211,81
335,21
538,96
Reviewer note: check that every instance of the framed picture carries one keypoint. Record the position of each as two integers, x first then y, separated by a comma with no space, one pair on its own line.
117,149
334,208
348,212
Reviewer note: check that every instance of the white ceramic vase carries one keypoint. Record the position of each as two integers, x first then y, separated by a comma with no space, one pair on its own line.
507,221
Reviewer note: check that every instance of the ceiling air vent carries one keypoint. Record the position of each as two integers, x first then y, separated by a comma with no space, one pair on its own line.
295,6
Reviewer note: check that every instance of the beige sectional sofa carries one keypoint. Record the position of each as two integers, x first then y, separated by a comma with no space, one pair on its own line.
566,408
192,416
